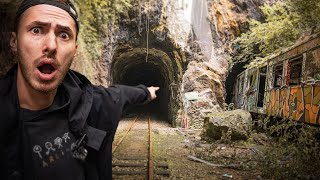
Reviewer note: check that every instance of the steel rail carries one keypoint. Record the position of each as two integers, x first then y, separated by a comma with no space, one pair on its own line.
120,141
150,162
150,172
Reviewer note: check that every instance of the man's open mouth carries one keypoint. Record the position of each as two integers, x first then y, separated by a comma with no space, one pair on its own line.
46,68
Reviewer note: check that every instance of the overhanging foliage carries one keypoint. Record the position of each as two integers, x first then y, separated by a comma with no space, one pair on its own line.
285,21
95,17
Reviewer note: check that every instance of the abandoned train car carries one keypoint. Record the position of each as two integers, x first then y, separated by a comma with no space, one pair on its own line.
287,85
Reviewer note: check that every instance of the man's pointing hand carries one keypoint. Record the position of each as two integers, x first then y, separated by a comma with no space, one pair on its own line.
152,91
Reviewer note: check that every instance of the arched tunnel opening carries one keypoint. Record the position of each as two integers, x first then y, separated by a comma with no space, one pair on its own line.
133,68
231,80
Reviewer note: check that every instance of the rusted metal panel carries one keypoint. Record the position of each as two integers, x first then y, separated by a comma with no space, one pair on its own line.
312,103
277,102
285,93
297,50
272,106
296,103
292,52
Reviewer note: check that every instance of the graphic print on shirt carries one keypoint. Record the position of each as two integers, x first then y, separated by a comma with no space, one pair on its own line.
37,149
51,151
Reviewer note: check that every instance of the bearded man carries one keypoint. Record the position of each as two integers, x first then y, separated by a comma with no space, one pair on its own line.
54,123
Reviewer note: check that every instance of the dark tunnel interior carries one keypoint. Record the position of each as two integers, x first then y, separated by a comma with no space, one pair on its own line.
149,73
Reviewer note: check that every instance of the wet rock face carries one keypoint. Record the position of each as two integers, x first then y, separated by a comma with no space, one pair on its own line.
227,125
228,19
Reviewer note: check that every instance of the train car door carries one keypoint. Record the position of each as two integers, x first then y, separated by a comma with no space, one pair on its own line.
239,100
251,95
261,89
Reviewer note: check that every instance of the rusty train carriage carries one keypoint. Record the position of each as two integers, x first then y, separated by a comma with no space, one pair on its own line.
287,86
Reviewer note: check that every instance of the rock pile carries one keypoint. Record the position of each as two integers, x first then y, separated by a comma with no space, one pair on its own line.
202,93
227,125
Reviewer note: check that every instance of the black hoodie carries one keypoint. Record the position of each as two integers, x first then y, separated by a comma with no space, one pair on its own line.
93,110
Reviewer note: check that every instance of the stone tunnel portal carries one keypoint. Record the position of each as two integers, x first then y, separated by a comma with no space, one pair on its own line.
132,68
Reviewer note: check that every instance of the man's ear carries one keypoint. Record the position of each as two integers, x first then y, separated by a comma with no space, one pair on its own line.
76,51
13,42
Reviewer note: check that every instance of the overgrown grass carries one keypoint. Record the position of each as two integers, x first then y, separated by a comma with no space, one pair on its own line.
294,153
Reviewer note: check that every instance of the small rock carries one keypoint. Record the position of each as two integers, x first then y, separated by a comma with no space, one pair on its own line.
227,175
186,141
156,131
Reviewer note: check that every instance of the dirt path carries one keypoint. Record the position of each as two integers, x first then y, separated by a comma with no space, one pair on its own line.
173,146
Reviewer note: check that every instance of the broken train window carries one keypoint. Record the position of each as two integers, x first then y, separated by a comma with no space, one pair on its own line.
294,71
312,64
277,75
262,82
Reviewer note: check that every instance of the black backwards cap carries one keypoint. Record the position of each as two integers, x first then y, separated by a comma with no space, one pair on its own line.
62,4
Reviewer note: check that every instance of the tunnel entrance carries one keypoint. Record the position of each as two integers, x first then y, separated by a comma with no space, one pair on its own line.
133,68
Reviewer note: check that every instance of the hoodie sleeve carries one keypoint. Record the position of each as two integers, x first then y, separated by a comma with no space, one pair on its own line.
133,94
109,103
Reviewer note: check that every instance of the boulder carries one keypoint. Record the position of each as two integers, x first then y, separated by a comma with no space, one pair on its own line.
235,124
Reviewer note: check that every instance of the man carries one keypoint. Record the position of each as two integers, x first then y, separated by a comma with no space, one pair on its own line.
54,123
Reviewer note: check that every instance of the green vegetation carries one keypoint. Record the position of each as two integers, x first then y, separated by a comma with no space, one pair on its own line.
294,152
97,17
285,21
276,149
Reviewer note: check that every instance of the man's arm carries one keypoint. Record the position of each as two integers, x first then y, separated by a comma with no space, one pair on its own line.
140,94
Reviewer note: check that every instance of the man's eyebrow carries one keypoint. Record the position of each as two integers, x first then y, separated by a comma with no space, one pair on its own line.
39,23
65,28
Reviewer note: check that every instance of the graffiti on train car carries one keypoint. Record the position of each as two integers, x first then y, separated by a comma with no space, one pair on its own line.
300,103
287,85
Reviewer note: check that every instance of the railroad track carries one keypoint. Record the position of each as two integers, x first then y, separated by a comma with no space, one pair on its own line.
132,153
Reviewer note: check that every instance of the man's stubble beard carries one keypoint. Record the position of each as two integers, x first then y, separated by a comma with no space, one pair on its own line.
27,74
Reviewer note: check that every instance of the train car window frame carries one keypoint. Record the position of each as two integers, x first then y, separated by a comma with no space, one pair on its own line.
277,74
294,71
312,73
